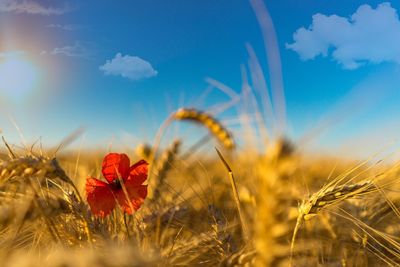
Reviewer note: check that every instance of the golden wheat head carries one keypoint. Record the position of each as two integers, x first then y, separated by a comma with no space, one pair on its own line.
212,124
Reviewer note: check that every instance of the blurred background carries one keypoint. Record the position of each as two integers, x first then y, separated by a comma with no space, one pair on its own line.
118,70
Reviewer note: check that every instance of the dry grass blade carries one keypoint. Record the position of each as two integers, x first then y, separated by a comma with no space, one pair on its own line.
236,196
10,151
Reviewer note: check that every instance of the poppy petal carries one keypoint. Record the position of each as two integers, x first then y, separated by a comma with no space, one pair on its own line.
138,173
100,197
115,165
136,196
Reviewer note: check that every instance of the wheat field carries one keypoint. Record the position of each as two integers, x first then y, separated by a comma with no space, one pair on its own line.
228,207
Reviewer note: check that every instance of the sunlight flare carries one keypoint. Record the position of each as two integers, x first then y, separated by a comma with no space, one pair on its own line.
18,76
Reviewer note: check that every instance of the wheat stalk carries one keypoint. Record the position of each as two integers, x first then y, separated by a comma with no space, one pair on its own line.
163,166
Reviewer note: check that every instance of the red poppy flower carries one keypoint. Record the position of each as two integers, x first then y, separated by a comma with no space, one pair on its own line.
103,197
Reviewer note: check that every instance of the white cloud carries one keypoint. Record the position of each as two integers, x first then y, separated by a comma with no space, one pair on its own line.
31,7
9,54
367,36
130,67
66,27
78,50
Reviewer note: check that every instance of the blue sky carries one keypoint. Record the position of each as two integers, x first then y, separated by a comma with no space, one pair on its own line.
119,67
